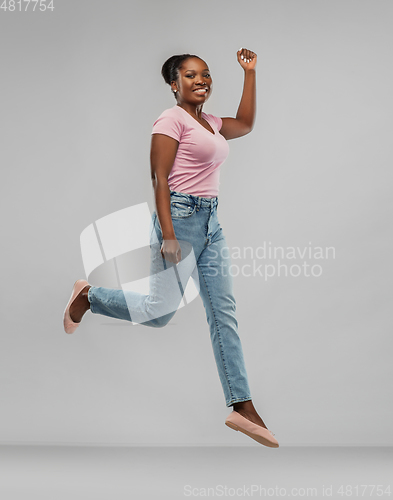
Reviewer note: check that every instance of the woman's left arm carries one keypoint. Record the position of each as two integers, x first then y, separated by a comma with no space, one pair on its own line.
245,116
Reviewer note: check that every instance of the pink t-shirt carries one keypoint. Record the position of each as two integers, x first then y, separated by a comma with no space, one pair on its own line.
196,169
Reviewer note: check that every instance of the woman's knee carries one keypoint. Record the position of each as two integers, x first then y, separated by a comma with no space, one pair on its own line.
164,320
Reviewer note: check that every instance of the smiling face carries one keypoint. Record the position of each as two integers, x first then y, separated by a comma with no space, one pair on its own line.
194,83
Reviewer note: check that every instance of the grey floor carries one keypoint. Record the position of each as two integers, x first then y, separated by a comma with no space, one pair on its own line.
98,473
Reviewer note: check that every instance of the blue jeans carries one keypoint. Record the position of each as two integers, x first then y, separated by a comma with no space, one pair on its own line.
205,258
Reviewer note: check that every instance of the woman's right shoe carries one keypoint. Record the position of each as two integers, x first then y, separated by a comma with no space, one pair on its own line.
260,434
69,325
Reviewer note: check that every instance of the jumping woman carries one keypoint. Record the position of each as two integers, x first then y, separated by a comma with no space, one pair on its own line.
188,147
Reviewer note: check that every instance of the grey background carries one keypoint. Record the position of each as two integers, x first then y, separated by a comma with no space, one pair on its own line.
81,88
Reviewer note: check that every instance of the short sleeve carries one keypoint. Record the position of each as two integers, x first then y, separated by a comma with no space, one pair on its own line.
217,120
168,124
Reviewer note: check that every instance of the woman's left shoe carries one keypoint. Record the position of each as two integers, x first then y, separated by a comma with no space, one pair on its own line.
69,325
260,434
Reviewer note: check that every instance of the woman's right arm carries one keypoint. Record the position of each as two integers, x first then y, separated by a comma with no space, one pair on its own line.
162,156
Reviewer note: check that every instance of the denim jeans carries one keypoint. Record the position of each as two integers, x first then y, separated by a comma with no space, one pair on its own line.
205,258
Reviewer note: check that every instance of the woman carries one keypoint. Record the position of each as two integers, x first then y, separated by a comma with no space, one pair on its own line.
187,148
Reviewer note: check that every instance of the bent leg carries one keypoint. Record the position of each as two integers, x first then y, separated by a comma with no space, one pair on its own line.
117,304
167,282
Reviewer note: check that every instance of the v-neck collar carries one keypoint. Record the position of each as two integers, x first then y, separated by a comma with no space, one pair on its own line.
208,131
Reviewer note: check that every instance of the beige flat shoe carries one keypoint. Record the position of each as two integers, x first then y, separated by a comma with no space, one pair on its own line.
260,434
69,325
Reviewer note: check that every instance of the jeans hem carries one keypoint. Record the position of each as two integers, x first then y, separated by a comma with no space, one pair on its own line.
238,400
89,298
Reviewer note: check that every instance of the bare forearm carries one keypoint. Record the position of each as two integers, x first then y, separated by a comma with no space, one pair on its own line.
247,107
163,207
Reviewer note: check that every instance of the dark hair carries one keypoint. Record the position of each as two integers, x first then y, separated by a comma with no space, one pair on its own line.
170,68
